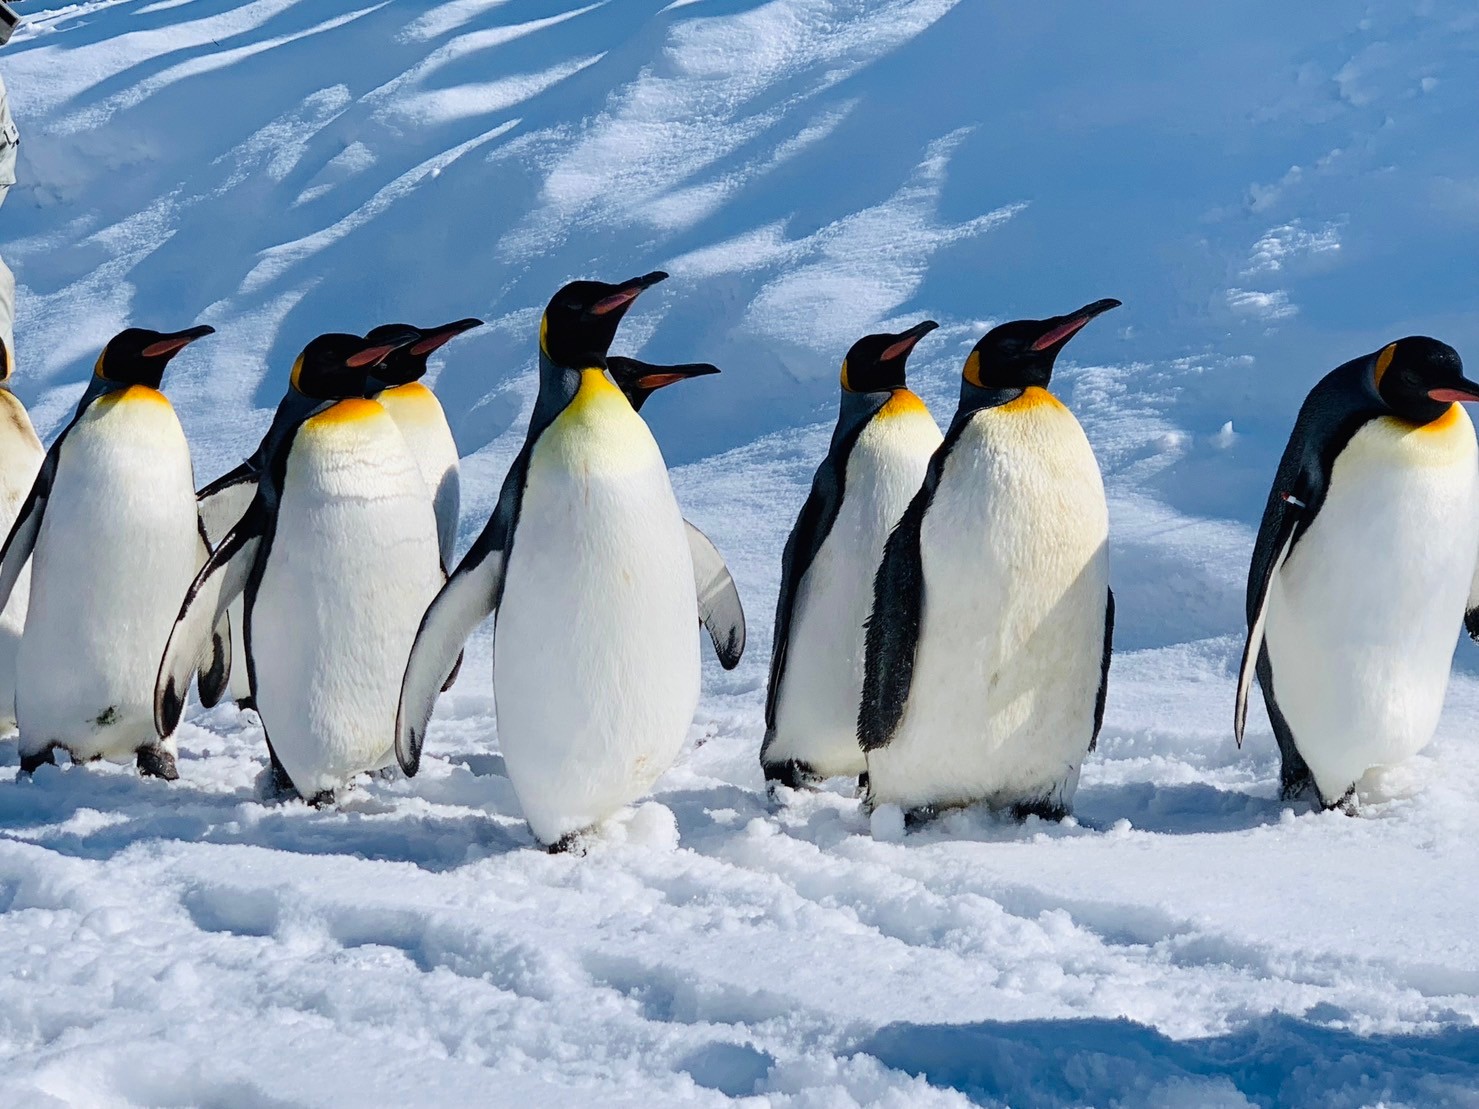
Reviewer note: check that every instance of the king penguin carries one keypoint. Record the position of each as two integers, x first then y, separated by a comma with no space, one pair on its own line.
1362,568
20,459
112,536
591,571
336,557
417,412
987,652
880,449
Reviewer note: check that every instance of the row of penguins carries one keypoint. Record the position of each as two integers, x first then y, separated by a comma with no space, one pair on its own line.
944,626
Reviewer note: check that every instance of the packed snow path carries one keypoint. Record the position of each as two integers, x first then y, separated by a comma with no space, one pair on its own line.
1269,190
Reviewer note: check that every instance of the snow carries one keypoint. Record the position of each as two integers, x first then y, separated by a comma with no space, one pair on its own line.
1270,188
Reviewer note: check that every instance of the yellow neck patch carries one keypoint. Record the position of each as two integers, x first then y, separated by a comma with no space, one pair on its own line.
595,390
901,403
1034,396
843,376
348,411
134,394
297,369
1384,362
1445,423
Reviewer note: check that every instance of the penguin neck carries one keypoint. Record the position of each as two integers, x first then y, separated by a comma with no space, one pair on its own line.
854,411
292,410
973,398
97,386
557,388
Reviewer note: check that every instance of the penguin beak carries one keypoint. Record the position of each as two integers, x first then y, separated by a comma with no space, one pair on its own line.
383,348
1063,328
649,377
628,292
167,345
906,341
1466,391
434,337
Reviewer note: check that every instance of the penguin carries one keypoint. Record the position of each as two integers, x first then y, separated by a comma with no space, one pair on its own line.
336,559
417,412
111,533
880,449
719,608
20,459
1362,569
987,652
591,572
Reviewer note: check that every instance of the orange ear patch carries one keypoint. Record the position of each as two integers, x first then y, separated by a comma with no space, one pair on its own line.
972,371
1384,361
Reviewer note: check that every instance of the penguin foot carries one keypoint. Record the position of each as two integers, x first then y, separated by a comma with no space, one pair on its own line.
32,763
793,773
1347,803
863,784
1296,783
156,762
244,703
916,818
322,799
387,773
1043,809
571,843
274,786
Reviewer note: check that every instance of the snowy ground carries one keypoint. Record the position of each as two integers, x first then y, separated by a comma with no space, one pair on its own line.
1269,189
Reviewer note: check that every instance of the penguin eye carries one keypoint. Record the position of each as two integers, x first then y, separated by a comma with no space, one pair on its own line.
572,305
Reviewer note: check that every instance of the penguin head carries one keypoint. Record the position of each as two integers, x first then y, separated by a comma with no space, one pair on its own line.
581,319
337,366
875,364
1020,354
138,356
639,380
1418,378
407,363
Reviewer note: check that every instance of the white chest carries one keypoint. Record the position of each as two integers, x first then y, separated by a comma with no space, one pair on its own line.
418,414
115,554
817,709
352,566
1009,659
1363,614
596,654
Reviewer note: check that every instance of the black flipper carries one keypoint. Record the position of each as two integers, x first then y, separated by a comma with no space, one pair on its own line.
719,608
1103,693
27,526
471,594
898,611
225,500
219,582
1258,597
1336,408
893,629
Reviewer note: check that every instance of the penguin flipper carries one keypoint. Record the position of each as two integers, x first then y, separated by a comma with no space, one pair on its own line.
27,526
203,615
1103,693
213,681
1279,540
469,596
893,629
719,608
225,500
